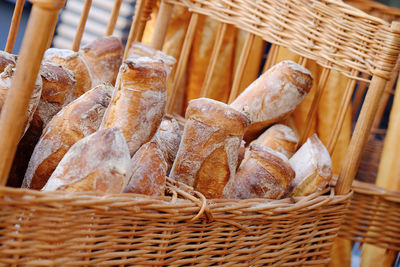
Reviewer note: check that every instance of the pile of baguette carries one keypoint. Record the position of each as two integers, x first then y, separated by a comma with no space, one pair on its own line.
97,123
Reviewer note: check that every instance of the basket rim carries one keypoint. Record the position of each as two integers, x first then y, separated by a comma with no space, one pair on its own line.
372,189
179,200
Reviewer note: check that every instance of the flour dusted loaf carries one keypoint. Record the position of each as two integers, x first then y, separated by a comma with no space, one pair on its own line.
103,57
5,84
78,119
7,59
99,162
208,152
74,62
264,173
313,166
273,96
138,49
152,161
138,102
280,138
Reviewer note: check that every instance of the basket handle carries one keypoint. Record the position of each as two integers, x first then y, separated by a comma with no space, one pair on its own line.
43,16
362,129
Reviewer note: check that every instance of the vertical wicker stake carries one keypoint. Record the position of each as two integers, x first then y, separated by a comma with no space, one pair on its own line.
139,6
160,30
240,68
81,26
147,9
213,59
43,16
12,34
114,17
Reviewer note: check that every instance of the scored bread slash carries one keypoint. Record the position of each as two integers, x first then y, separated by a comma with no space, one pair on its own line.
99,162
313,166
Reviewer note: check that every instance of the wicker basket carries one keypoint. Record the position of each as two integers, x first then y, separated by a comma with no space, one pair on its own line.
183,228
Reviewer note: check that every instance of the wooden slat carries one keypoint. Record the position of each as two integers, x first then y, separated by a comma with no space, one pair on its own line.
240,68
114,17
81,27
160,30
205,90
134,26
16,18
182,63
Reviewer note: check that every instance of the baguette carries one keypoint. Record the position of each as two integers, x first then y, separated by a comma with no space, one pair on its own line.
148,172
273,96
99,162
76,63
58,85
280,138
264,173
103,57
78,119
138,103
208,152
313,167
153,160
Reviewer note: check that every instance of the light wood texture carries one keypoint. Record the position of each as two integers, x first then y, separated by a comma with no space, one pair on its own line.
16,18
13,113
81,27
182,63
238,76
164,15
360,136
205,89
114,17
139,6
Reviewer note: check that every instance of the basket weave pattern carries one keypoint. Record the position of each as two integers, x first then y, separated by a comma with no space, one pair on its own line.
39,228
334,34
373,217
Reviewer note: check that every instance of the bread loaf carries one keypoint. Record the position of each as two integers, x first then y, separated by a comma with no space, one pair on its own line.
280,138
99,162
138,103
273,96
74,62
138,49
103,57
313,167
264,173
5,84
78,119
58,87
7,59
208,152
149,170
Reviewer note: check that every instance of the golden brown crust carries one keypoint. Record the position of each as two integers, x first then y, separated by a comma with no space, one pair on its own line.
208,152
263,173
216,113
99,162
149,170
74,62
138,103
280,138
78,119
103,57
274,95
